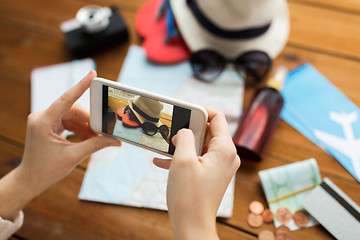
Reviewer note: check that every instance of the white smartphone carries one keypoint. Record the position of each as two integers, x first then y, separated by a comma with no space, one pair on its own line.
143,118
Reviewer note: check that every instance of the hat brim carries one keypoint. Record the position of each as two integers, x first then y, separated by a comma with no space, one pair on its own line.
141,118
197,38
125,118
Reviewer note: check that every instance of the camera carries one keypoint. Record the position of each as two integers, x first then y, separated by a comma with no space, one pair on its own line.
95,28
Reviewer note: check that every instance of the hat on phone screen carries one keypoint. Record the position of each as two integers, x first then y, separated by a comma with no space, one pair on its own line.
146,109
232,27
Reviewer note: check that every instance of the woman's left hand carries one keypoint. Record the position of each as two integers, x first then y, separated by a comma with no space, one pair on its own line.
47,156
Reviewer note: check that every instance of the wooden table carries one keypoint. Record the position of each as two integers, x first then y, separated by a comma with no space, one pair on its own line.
325,33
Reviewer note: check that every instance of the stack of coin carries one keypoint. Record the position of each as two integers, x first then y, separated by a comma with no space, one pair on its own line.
257,211
258,215
254,218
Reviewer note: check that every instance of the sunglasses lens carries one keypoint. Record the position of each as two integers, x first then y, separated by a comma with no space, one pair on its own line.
164,130
149,128
207,65
254,65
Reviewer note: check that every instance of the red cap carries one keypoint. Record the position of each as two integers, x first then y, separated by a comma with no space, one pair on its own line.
125,118
153,31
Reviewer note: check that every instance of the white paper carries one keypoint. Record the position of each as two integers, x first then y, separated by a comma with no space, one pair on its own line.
50,82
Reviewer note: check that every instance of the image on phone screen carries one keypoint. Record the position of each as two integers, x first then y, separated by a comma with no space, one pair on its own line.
141,119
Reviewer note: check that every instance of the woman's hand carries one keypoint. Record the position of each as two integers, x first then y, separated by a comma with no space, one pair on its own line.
197,184
47,156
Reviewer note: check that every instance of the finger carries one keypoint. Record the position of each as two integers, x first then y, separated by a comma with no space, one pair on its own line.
64,103
77,120
221,143
211,113
184,143
83,149
218,123
81,128
207,135
162,163
78,111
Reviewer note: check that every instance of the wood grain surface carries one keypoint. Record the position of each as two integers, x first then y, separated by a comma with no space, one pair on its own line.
325,33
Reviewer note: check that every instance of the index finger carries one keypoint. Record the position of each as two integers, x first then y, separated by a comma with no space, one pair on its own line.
64,103
218,123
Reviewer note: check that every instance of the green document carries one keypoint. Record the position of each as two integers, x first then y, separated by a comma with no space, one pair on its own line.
288,185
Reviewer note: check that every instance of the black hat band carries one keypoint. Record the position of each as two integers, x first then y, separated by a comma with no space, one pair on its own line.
211,27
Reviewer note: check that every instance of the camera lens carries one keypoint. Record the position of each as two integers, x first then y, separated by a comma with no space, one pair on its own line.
93,18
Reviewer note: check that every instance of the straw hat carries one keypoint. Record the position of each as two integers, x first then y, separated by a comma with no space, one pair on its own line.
233,26
146,109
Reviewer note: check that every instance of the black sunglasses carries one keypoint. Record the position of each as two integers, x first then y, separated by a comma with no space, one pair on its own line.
252,65
149,128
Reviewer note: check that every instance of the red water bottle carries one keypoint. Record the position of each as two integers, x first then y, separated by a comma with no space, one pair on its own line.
260,119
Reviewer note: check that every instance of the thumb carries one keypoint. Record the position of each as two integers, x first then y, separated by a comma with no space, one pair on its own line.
85,148
184,143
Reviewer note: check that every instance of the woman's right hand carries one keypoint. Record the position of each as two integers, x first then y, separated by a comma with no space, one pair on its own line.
196,184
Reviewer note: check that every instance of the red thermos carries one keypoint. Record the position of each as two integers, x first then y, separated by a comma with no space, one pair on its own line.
260,119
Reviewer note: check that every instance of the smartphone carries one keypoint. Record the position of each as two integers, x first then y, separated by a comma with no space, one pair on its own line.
142,118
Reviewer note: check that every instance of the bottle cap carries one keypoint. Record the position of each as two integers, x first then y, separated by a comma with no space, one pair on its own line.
277,80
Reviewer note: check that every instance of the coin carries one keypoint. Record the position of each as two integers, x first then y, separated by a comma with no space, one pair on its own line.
283,237
256,207
301,218
283,233
254,220
266,235
283,215
267,216
282,229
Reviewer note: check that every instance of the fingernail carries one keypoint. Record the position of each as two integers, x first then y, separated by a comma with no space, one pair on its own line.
92,71
173,140
115,143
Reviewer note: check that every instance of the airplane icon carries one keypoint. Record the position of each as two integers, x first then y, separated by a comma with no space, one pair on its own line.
349,146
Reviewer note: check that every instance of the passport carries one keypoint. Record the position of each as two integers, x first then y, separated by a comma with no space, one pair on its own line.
323,114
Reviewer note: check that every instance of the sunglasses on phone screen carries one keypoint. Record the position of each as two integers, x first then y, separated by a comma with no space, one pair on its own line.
253,65
151,129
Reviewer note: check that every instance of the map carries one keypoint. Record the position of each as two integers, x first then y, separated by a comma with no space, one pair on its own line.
126,175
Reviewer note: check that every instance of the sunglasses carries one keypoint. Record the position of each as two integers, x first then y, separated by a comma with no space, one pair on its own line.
151,129
148,128
253,65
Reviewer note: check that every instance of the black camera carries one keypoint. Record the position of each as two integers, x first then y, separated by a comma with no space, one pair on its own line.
95,28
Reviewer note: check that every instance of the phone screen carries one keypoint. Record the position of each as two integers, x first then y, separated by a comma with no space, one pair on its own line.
142,120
